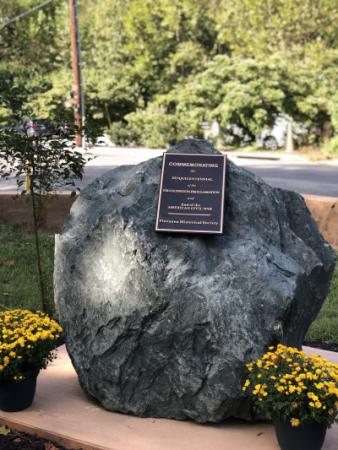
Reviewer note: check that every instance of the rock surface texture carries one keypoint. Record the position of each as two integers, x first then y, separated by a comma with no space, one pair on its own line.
161,325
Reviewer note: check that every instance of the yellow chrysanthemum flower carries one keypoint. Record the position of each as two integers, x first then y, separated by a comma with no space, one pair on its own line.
295,422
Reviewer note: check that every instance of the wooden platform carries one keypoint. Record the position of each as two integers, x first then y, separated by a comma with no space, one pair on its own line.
62,412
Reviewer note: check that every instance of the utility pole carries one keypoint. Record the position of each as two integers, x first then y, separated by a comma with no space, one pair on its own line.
290,146
78,96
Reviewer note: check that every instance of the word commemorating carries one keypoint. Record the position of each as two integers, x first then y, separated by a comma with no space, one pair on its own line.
191,198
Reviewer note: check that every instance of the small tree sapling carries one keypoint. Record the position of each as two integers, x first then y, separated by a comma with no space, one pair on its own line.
43,166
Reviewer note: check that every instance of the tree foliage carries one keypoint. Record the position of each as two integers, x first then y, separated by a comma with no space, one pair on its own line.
32,53
154,71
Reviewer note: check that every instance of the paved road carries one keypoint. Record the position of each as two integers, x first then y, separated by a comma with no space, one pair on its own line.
314,179
310,178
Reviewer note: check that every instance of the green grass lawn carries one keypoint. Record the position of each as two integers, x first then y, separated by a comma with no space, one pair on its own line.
18,272
19,282
325,327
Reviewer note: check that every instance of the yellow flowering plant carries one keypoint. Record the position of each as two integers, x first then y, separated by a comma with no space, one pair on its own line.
27,340
288,385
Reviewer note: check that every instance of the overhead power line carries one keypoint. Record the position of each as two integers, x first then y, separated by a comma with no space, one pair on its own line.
24,14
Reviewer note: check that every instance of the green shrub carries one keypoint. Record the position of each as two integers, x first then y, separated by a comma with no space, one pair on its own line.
121,134
153,128
331,146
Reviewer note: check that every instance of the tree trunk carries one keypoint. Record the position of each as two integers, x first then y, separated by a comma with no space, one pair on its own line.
106,110
38,253
327,131
290,145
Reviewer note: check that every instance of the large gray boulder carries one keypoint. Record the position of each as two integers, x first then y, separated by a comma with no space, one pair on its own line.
161,325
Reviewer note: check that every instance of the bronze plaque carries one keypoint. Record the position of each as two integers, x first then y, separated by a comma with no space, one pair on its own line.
191,198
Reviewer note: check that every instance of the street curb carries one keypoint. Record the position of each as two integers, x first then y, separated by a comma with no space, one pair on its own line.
264,158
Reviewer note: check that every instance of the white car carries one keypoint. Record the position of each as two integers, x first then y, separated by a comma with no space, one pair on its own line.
275,137
103,141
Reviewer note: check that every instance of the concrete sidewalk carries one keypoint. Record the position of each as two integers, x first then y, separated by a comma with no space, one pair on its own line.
281,156
62,412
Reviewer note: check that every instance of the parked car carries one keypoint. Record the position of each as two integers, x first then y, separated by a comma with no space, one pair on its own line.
40,128
11,128
64,129
270,138
275,137
103,141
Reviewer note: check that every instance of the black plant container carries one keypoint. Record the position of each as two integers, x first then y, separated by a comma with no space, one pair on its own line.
308,437
18,395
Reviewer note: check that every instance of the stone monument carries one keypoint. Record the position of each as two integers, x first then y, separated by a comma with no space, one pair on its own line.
162,324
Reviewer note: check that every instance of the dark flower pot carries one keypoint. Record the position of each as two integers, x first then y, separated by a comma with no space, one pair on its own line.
18,395
307,437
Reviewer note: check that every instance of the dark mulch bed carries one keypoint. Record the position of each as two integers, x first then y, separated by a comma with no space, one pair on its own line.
23,441
323,345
